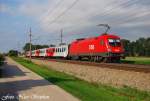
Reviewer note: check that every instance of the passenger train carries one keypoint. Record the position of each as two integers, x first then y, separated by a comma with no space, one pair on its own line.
106,48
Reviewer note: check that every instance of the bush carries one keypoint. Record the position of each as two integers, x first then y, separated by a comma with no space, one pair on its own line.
13,53
2,58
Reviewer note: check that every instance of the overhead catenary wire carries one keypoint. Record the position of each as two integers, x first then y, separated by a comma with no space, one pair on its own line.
121,21
86,17
60,15
108,12
50,11
104,13
125,4
74,3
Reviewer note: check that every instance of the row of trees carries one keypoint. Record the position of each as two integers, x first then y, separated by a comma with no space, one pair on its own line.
13,53
140,47
33,47
1,58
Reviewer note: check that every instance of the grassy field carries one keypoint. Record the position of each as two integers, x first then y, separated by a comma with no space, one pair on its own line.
137,60
84,90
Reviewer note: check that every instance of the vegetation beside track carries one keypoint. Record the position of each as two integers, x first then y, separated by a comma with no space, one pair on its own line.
1,63
137,60
84,90
1,59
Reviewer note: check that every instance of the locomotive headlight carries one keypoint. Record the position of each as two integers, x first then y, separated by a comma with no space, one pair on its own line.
109,50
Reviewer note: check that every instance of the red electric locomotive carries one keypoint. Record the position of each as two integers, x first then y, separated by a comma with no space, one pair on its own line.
106,47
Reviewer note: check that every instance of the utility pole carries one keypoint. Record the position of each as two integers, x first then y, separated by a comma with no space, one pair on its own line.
18,47
30,35
61,36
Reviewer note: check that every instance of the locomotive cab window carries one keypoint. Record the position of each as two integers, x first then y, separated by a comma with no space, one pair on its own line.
101,42
114,42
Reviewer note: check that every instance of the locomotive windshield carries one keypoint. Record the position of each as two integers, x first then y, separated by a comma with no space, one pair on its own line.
114,42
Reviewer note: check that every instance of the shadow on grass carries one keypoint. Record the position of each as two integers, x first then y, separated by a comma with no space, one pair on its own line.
56,80
128,61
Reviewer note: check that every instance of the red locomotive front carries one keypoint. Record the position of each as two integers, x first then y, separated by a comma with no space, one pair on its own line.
102,48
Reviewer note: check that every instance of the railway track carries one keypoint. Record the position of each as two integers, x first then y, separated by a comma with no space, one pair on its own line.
121,66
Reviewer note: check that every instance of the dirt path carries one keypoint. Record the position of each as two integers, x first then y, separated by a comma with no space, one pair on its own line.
99,74
20,84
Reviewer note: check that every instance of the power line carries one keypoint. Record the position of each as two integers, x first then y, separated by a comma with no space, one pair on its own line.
49,12
129,18
125,4
105,13
108,12
62,12
74,3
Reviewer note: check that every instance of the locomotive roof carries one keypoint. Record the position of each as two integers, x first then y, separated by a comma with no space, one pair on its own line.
105,35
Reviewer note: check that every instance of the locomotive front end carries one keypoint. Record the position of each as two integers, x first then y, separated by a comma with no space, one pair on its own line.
115,48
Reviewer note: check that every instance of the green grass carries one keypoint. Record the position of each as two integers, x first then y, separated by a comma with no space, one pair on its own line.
84,90
137,60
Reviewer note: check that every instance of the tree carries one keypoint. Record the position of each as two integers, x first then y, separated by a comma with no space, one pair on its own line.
140,47
1,57
126,44
13,53
33,47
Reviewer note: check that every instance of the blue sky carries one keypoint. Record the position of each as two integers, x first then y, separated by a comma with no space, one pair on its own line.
128,18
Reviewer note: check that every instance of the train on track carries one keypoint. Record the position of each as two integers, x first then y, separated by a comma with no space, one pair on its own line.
105,48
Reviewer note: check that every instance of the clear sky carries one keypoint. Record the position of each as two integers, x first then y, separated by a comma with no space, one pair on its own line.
130,19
